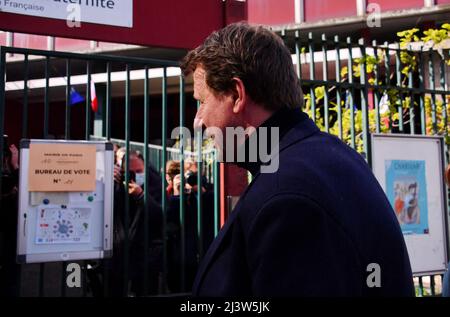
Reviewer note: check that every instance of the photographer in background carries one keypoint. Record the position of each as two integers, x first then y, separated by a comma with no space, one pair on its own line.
137,177
9,270
136,231
172,170
191,252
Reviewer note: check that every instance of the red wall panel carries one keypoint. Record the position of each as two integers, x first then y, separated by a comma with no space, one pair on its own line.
2,38
62,44
271,11
316,10
27,41
388,5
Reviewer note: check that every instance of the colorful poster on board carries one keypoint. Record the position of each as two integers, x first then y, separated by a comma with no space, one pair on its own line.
63,225
407,192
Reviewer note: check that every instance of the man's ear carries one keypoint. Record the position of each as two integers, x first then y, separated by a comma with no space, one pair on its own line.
239,94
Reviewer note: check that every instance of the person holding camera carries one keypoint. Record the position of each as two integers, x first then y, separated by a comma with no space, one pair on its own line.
191,251
134,232
172,170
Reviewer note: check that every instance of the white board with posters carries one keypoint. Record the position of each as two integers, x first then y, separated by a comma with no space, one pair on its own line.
65,200
410,169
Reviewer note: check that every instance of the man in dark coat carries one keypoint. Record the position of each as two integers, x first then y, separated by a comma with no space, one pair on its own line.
314,221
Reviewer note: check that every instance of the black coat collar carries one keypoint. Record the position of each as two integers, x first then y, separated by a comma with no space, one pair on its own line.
285,120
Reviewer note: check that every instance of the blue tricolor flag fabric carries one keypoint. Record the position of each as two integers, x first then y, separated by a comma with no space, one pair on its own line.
75,97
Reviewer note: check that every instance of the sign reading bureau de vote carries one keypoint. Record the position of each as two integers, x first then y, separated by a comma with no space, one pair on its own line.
61,168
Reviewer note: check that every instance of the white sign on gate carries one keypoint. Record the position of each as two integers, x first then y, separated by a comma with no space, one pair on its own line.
108,12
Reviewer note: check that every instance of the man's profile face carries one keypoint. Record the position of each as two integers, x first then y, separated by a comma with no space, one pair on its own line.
215,111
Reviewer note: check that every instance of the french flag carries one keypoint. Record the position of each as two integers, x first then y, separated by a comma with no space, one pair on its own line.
94,102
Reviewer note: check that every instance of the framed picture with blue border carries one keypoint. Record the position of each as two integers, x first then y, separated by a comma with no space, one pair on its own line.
410,169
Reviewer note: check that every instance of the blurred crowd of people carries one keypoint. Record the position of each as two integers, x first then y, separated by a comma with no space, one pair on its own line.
136,227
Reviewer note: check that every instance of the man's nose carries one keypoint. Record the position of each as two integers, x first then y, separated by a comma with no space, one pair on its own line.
198,121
